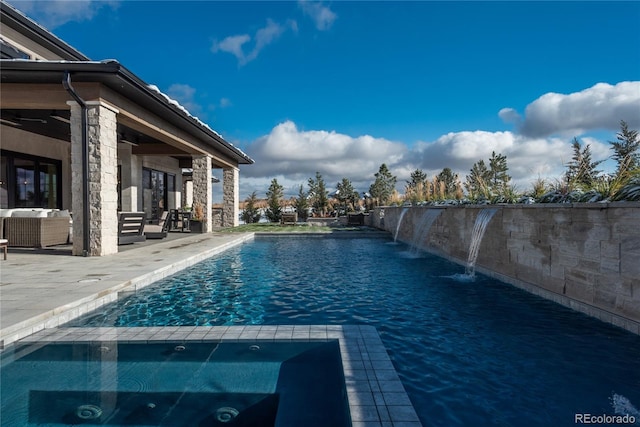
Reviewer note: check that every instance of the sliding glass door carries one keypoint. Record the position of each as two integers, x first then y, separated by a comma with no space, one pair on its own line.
157,188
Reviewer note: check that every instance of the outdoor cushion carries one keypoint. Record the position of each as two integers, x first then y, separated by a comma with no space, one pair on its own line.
29,214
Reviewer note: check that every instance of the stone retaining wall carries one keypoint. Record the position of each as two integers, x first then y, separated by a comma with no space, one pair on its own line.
585,256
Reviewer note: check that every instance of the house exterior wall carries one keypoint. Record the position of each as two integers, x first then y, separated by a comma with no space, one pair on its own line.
131,177
585,256
26,45
17,140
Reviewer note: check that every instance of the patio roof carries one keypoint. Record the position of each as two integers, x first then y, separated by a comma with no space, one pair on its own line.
120,80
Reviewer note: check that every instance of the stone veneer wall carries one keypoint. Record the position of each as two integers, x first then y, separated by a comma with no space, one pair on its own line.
585,256
230,197
103,167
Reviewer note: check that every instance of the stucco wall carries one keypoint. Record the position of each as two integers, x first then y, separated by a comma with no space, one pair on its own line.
584,256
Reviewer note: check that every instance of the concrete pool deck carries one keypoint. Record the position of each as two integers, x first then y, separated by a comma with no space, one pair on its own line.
41,290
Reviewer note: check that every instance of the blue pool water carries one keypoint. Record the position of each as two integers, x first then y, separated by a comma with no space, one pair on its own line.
469,353
239,384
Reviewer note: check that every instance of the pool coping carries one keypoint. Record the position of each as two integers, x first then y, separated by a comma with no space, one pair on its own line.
376,395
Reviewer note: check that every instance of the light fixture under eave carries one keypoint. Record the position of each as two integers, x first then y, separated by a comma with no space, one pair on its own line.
125,141
10,122
60,118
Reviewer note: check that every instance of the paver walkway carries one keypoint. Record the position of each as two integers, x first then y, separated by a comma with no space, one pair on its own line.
40,290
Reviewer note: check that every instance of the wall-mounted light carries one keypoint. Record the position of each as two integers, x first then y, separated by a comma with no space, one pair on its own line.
60,118
31,119
9,122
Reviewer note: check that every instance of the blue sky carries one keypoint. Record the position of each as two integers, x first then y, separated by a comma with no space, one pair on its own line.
341,87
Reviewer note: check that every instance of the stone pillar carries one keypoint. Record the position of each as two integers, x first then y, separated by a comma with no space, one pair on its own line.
230,196
103,161
202,189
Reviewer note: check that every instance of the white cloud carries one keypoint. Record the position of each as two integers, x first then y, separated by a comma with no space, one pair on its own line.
55,13
232,45
509,115
527,157
263,37
289,152
293,156
321,15
601,106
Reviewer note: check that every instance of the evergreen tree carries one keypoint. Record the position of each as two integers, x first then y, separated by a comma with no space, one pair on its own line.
344,193
625,150
274,195
251,213
478,181
301,204
414,190
450,182
499,180
581,170
318,194
383,186
418,177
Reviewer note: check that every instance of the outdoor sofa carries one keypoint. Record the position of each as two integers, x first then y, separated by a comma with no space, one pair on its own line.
35,228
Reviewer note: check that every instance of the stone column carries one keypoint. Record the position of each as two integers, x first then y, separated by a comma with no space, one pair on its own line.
202,188
230,196
103,161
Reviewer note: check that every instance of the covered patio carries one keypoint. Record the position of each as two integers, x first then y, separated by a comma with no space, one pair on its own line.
90,139
130,141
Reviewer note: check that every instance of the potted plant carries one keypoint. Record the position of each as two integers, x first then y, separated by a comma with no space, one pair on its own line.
197,219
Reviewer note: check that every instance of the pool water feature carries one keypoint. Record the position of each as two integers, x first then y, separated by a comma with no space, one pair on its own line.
402,214
174,384
427,219
468,353
479,227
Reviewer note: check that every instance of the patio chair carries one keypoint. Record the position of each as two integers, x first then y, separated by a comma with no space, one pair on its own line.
3,244
130,227
159,230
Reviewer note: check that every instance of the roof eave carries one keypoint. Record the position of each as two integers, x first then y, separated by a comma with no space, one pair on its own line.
114,68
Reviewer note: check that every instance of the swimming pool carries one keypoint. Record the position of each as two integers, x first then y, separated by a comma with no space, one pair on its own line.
469,354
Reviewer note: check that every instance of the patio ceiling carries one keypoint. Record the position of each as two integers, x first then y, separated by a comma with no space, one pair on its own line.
56,124
33,94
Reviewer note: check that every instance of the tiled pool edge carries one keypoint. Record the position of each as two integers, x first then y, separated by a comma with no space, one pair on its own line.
77,308
375,393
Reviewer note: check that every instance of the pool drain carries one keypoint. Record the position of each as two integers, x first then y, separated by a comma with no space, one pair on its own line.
254,347
180,348
226,414
88,412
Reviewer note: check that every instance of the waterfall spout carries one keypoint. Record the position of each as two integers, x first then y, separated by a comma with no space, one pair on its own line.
395,236
482,220
422,230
